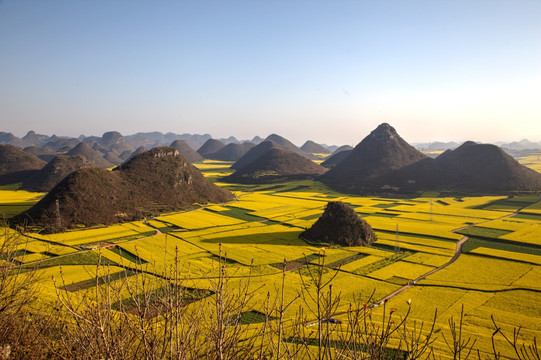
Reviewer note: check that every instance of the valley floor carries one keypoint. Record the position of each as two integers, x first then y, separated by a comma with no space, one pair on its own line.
495,270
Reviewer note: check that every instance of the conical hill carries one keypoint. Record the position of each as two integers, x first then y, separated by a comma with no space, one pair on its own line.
378,154
54,172
341,225
276,163
153,182
16,164
92,155
211,146
185,150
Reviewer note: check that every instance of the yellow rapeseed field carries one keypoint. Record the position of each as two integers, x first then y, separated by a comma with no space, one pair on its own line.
486,280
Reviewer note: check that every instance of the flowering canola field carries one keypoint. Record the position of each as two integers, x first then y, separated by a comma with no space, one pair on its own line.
260,230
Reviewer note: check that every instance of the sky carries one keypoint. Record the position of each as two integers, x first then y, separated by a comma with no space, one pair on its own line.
329,71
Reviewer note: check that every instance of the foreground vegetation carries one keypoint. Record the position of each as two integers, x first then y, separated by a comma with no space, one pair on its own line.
232,280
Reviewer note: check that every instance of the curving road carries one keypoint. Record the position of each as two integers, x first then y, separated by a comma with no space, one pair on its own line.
458,251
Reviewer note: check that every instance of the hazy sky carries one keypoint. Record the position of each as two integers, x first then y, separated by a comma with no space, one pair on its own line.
329,71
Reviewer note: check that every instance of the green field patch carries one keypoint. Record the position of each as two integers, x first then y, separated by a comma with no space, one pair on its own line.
15,254
223,259
127,255
384,214
162,226
483,232
380,264
357,264
101,280
252,317
296,263
293,189
151,302
346,260
474,243
386,205
415,235
269,188
312,270
79,258
118,239
508,204
312,217
527,216
397,280
10,210
240,214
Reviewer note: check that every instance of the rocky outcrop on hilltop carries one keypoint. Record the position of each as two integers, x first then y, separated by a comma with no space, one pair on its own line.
151,183
340,225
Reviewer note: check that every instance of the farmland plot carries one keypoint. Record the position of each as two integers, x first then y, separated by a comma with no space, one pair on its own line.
262,229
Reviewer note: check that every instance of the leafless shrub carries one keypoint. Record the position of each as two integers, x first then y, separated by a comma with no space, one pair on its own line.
17,294
522,350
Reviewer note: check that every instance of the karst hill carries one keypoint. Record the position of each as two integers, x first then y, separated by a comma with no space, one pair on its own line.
340,225
383,161
43,153
92,155
211,146
185,150
484,168
285,143
16,164
153,182
312,147
378,154
269,161
231,151
54,172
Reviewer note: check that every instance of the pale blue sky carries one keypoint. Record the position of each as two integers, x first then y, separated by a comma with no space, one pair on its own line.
329,71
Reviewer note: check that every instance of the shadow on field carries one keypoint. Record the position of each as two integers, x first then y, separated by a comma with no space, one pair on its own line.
273,238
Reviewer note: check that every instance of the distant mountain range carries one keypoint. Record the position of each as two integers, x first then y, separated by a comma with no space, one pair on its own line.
381,160
515,148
